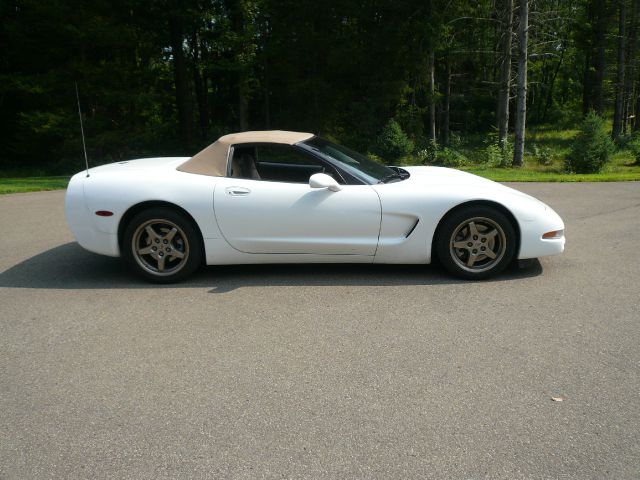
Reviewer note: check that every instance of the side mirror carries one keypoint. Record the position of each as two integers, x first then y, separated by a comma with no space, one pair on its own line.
322,180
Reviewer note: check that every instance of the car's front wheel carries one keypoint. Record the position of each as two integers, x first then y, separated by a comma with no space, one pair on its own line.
476,242
162,245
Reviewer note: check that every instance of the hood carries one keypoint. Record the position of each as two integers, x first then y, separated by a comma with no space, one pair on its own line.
441,176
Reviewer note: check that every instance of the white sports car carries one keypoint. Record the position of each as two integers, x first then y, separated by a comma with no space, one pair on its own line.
289,197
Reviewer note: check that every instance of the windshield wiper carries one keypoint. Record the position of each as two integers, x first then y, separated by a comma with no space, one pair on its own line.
389,177
399,173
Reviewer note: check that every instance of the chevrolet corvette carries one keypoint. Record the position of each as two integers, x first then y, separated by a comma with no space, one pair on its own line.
290,197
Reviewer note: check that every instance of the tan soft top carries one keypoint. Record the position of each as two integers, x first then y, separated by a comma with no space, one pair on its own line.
212,160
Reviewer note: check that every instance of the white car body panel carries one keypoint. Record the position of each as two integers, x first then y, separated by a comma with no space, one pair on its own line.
293,223
274,217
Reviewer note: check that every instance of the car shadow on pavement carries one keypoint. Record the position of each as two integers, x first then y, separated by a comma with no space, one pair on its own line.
69,266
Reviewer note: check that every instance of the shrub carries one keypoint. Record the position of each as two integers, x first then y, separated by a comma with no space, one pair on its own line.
428,153
448,157
392,143
634,148
455,140
591,148
493,156
544,155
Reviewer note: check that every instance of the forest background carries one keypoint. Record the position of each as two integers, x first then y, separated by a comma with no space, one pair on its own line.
537,90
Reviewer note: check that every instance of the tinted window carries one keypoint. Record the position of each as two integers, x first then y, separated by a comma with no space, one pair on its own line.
278,163
358,165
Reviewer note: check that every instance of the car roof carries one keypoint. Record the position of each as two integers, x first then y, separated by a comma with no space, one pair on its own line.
212,160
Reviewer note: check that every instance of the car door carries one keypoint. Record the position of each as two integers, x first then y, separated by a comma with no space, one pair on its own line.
289,217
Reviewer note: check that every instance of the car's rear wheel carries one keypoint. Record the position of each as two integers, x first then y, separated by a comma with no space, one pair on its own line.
476,242
162,245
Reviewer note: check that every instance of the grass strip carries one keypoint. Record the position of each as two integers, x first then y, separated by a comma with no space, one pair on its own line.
32,184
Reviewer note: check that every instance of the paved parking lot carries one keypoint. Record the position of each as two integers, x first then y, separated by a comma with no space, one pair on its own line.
323,371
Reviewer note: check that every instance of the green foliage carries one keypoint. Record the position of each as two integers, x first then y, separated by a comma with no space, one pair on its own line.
591,148
448,157
427,154
491,155
543,155
634,148
494,156
392,144
32,184
455,140
241,68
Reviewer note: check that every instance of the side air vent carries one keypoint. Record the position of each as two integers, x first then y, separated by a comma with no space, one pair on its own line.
412,229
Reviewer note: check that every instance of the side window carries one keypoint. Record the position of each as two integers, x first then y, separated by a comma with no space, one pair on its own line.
283,155
277,163
243,163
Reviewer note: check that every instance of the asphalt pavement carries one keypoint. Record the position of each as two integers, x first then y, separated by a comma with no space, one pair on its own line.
323,371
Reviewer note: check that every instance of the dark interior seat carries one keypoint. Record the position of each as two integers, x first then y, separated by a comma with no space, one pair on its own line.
243,165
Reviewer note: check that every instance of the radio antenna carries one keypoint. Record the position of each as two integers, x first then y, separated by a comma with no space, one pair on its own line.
84,146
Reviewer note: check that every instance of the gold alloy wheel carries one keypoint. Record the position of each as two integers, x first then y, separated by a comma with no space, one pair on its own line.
160,247
478,244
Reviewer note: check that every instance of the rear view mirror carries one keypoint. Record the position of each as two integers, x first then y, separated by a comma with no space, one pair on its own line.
322,180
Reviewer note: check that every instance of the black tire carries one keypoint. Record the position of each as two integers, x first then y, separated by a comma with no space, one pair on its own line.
162,245
468,237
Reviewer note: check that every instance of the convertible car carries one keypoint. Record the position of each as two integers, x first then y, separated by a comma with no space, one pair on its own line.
290,197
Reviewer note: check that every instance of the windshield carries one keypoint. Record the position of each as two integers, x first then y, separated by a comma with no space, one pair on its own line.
358,165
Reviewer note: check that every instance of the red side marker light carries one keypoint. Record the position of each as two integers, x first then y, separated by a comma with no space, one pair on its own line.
104,213
554,234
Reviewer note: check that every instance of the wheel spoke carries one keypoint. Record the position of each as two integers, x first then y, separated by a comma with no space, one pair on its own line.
169,236
472,259
161,264
151,232
177,254
146,250
491,234
460,245
473,230
489,253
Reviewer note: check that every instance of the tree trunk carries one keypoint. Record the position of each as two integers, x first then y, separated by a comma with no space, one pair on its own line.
601,44
587,83
432,94
549,101
636,123
618,109
587,74
505,75
243,104
183,102
267,96
200,86
631,66
521,102
237,15
447,103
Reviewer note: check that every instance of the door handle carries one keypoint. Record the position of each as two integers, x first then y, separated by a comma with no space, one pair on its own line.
237,191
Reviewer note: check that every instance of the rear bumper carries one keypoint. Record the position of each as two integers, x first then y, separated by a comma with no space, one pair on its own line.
82,225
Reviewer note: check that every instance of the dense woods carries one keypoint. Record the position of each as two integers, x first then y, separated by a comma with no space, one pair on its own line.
167,77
